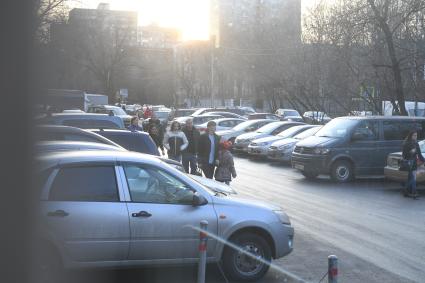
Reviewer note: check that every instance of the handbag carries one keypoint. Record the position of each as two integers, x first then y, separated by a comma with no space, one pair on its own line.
403,165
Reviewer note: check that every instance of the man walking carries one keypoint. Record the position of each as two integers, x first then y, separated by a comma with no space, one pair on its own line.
208,150
189,154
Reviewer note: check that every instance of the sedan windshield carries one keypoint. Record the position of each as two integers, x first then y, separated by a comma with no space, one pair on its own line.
242,126
307,133
268,128
290,132
337,128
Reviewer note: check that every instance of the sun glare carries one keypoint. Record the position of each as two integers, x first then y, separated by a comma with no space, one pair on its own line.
190,17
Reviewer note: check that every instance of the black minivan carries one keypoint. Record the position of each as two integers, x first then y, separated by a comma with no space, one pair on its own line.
347,147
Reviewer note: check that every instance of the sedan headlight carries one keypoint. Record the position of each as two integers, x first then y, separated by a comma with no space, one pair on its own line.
320,150
283,217
263,144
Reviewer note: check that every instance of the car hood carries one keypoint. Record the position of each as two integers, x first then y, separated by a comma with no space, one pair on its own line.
213,185
285,142
314,141
239,201
253,135
268,139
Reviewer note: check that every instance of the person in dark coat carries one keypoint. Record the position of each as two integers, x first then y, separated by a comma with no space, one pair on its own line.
134,124
208,150
156,136
189,157
226,168
412,153
175,142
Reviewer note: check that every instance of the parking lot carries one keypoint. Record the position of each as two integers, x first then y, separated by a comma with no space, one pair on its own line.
368,224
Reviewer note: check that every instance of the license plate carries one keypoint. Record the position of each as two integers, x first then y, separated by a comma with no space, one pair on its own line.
299,166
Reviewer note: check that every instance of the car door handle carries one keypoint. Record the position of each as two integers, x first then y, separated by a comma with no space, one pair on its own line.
141,214
58,213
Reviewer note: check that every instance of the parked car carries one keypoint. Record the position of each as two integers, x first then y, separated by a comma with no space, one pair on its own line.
49,146
65,133
244,127
259,147
56,146
272,129
222,124
176,113
242,111
263,116
316,117
392,172
83,120
199,119
121,209
281,150
347,147
112,110
226,115
289,115
133,141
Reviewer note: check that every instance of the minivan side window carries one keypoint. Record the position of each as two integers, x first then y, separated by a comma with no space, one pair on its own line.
367,131
398,130
88,183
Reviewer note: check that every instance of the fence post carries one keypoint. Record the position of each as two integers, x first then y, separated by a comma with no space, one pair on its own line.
203,238
332,269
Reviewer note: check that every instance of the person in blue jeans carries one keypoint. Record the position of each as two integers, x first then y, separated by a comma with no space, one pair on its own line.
412,153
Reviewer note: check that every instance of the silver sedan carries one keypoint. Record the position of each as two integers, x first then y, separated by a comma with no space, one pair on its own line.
121,209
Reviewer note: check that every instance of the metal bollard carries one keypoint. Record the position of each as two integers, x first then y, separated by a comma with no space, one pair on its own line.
332,269
203,238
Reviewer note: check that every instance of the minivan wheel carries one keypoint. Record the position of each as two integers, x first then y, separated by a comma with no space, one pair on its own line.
309,174
342,171
242,267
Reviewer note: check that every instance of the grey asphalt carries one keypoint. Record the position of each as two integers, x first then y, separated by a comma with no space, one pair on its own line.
378,235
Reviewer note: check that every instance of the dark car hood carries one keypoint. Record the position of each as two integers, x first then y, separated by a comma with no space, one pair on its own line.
314,141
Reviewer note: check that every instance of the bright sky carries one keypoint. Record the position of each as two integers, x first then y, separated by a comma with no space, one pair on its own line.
191,17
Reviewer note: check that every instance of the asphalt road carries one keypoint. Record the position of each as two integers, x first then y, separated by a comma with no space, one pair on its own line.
377,234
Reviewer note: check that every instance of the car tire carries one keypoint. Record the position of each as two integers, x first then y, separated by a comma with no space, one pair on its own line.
240,267
309,175
342,171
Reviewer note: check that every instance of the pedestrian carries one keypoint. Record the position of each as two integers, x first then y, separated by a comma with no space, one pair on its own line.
412,153
157,137
208,150
175,141
226,168
134,124
189,157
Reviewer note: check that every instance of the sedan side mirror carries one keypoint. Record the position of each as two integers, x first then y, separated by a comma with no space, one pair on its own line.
199,200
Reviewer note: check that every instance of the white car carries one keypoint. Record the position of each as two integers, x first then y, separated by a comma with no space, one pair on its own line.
244,127
222,124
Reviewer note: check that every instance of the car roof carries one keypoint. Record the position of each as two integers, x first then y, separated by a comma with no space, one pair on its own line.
382,118
52,159
118,131
75,145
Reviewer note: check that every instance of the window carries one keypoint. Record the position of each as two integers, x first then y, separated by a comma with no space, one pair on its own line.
398,130
153,185
367,131
97,183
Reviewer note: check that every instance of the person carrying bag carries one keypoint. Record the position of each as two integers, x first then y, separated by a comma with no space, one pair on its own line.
412,158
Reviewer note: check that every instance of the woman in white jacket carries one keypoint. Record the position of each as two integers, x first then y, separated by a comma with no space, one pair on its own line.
175,141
